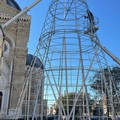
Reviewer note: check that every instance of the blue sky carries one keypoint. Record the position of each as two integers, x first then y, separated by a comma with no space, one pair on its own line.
108,12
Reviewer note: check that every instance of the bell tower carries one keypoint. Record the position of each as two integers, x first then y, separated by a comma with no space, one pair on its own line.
13,52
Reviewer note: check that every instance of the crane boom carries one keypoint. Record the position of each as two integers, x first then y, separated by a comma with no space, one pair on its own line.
111,55
116,59
19,14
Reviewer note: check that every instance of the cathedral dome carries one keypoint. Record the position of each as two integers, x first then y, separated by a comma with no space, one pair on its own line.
13,4
29,61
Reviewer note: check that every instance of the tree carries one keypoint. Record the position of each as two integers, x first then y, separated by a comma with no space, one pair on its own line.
112,81
79,105
114,74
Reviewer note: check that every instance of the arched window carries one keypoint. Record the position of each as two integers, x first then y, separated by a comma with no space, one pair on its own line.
6,49
1,94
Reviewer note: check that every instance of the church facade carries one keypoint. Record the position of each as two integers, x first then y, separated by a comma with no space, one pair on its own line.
14,58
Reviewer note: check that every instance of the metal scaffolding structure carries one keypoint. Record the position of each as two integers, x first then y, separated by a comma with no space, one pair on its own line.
74,63
78,83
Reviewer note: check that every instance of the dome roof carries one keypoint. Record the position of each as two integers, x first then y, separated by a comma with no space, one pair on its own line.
29,61
13,4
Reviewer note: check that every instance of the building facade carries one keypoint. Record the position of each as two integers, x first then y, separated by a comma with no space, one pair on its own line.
14,59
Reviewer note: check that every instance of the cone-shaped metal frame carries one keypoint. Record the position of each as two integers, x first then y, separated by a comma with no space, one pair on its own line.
73,63
72,60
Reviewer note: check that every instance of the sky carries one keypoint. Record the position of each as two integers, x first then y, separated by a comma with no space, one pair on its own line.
108,12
